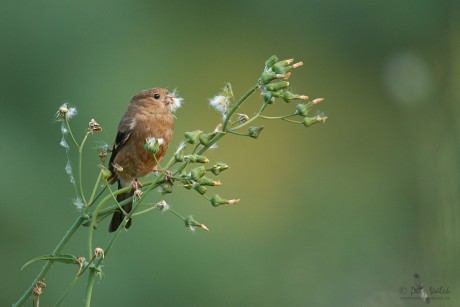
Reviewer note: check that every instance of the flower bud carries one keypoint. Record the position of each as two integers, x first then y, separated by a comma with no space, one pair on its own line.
197,158
218,168
276,86
283,67
267,76
268,98
166,188
205,138
317,100
198,172
271,61
106,174
255,131
153,144
288,96
192,137
303,109
309,121
208,181
216,201
191,222
200,189
179,156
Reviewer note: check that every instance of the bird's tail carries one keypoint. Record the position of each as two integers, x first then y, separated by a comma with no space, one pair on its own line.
118,215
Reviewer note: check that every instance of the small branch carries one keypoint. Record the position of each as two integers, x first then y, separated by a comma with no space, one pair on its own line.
48,264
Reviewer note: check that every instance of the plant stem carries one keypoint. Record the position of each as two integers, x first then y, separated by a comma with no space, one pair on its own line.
237,105
277,117
72,284
89,288
70,132
80,162
70,232
95,189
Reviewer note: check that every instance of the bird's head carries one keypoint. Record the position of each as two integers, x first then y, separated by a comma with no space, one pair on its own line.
158,98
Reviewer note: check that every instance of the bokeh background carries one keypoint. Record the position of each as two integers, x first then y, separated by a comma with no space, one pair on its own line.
340,214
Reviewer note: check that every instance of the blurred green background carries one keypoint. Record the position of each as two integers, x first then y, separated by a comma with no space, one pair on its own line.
340,214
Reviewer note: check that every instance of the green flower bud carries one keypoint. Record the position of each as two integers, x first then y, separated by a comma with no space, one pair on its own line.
303,109
106,174
218,168
191,222
179,156
197,158
192,137
271,61
288,96
255,131
205,138
310,121
200,189
208,181
216,201
153,144
268,98
198,172
166,188
276,86
267,76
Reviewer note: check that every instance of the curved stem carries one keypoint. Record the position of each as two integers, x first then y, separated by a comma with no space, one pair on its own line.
277,117
70,132
72,284
237,105
49,263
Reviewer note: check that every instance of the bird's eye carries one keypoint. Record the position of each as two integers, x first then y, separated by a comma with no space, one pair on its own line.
157,96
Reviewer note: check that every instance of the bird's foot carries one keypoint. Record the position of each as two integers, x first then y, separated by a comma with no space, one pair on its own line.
136,186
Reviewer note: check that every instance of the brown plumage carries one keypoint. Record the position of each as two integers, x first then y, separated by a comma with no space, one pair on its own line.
149,114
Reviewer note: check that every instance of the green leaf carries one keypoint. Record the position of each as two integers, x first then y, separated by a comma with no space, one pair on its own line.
68,259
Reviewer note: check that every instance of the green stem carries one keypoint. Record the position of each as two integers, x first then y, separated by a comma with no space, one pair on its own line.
70,232
277,117
67,291
89,287
236,132
80,162
70,132
96,185
291,121
237,105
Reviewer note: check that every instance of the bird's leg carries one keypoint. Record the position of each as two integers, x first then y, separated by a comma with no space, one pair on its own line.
136,186
167,173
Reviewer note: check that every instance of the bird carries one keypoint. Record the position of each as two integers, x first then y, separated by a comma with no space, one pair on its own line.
150,115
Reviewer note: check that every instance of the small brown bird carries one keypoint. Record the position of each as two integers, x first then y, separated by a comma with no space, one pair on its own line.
149,116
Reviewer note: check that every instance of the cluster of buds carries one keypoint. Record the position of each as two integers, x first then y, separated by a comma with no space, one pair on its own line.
273,80
199,137
304,108
196,179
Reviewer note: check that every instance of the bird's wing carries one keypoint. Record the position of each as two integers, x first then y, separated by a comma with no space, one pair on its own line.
124,131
